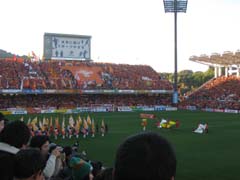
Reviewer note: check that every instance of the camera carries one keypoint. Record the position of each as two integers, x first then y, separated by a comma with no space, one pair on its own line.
53,146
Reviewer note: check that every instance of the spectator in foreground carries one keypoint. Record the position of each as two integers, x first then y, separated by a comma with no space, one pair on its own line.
14,136
29,165
81,169
52,160
105,174
3,121
145,156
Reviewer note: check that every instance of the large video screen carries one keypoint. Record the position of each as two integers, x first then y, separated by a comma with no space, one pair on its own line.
67,47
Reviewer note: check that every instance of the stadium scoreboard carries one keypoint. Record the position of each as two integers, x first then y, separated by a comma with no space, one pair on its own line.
67,47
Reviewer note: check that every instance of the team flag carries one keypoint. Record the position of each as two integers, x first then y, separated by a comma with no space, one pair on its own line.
41,125
103,124
77,128
43,121
29,121
33,123
80,120
57,125
21,119
93,128
103,128
85,124
71,121
89,120
63,128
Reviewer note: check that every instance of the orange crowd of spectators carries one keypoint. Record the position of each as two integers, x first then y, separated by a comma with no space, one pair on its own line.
81,100
220,93
56,75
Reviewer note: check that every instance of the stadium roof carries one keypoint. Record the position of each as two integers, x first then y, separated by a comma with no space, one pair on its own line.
225,59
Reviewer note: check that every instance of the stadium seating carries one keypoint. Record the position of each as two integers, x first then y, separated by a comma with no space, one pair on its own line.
68,75
45,101
219,93
79,75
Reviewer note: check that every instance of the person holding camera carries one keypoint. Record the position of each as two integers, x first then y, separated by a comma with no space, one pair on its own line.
52,158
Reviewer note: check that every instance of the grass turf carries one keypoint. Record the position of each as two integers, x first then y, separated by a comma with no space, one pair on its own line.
209,156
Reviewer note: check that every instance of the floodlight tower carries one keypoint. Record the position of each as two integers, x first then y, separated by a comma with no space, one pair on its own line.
175,6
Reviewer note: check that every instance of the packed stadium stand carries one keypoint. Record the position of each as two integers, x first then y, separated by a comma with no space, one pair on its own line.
73,101
222,92
63,84
78,75
219,93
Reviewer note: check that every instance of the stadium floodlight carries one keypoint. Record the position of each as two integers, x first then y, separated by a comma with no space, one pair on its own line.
172,6
175,6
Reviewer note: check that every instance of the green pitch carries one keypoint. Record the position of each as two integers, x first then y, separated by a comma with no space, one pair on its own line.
213,156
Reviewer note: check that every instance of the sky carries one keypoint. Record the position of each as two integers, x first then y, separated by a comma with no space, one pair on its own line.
125,31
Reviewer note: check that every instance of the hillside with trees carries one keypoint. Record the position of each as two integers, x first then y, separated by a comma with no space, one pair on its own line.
189,80
5,54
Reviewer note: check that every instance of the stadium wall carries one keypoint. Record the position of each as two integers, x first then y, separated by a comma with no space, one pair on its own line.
78,91
87,109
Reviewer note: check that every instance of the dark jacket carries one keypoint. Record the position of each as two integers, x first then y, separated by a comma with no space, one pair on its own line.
7,155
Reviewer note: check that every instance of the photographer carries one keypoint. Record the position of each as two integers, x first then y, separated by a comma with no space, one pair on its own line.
53,161
3,121
60,161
